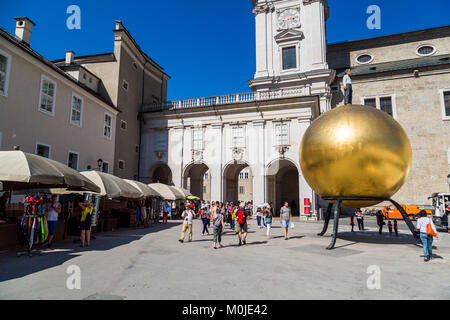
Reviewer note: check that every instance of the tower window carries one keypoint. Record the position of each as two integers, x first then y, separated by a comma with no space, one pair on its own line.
425,50
289,56
364,58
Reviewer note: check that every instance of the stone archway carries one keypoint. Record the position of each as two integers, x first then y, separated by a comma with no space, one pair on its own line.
237,182
196,182
282,180
161,173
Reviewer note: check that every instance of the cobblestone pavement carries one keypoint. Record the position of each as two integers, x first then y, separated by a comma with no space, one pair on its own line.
151,264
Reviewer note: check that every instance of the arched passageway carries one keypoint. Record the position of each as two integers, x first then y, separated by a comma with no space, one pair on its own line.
162,174
196,180
283,185
237,182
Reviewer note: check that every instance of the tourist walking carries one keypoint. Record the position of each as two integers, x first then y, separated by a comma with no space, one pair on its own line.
390,227
242,224
352,222
427,230
268,220
348,91
53,210
218,219
165,209
380,221
360,219
285,217
85,222
188,216
258,217
396,228
204,217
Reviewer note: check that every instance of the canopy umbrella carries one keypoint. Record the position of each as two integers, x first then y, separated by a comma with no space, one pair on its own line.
21,170
262,205
184,191
192,198
111,186
167,192
146,191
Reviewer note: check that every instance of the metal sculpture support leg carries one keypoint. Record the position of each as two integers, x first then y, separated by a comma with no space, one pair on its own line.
327,220
406,218
337,212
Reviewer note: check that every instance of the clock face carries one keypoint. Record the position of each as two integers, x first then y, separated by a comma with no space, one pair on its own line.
289,18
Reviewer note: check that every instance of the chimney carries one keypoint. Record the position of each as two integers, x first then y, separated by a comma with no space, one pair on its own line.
119,25
23,29
69,57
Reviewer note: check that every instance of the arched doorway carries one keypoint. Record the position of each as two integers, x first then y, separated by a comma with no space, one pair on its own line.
196,179
283,185
237,182
161,173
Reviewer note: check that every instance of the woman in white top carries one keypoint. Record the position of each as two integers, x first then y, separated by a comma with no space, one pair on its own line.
427,240
53,210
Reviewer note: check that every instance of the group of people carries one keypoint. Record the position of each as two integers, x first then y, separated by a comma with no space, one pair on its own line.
234,215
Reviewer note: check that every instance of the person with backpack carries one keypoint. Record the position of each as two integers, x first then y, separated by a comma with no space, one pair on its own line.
218,220
427,231
242,224
188,216
285,217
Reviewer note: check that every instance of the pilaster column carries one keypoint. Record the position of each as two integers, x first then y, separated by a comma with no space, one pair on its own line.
216,163
257,160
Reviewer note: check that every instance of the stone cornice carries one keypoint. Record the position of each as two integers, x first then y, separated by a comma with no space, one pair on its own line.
265,8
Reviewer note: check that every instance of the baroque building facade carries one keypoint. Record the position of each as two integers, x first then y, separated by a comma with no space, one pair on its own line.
298,76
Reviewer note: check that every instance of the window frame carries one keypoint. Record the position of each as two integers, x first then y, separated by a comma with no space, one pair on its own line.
81,110
442,101
193,145
44,77
45,145
7,72
275,124
118,164
364,54
127,85
126,125
241,137
158,143
296,46
78,158
111,127
105,162
427,54
242,188
377,101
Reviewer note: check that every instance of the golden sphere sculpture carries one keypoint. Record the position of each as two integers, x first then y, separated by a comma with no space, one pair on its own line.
355,151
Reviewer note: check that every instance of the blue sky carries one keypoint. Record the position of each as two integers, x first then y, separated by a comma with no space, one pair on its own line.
206,46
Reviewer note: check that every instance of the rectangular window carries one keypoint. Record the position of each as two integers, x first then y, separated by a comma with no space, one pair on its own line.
105,167
43,150
47,97
370,102
161,141
197,139
289,58
73,160
241,189
281,134
206,175
246,175
241,175
5,65
386,105
76,110
447,103
123,125
121,164
107,127
238,137
204,189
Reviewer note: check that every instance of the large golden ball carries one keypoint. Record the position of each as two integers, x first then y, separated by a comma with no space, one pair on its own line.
355,151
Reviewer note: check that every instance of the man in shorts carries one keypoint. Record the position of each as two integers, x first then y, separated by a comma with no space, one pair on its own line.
242,215
285,217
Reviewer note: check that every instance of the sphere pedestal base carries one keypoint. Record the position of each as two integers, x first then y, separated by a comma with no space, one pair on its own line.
337,212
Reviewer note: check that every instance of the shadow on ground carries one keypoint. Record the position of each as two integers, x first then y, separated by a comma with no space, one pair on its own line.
13,267
375,237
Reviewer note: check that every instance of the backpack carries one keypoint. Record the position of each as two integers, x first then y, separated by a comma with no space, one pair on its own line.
218,221
241,216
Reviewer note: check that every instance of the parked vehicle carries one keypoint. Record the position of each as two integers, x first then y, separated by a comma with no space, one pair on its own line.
441,208
391,212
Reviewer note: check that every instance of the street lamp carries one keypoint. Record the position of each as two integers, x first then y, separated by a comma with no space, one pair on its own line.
99,163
